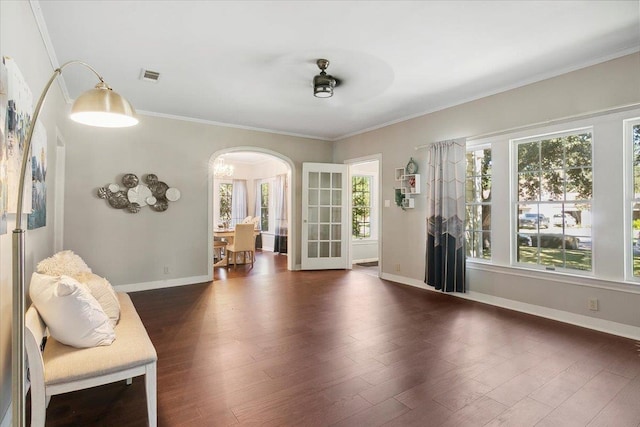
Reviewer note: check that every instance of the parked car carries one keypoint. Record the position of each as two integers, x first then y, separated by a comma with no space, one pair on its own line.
533,220
567,219
524,239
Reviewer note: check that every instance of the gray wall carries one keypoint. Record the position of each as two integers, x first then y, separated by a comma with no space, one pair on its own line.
135,248
607,85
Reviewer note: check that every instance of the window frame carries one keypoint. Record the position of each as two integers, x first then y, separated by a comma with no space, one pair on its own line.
630,199
472,147
515,201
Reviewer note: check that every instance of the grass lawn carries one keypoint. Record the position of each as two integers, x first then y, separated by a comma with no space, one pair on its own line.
576,259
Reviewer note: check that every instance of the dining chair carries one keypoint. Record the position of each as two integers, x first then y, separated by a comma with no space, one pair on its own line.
243,241
218,247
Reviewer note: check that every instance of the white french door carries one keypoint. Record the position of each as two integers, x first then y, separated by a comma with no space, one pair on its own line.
325,216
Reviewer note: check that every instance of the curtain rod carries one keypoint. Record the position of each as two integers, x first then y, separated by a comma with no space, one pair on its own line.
547,123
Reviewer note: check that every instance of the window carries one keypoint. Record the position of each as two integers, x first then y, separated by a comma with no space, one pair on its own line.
361,206
554,185
226,190
634,137
264,206
478,204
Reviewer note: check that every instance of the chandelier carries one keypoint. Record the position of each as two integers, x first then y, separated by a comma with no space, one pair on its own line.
221,169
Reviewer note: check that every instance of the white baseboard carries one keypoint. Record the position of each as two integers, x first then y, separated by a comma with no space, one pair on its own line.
160,284
607,326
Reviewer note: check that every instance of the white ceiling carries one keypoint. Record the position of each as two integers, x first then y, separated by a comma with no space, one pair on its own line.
250,63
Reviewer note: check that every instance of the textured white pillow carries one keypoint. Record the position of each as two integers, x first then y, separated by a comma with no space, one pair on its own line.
63,263
73,316
102,291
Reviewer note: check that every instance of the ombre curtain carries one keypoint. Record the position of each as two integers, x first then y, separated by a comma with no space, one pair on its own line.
238,202
280,199
445,257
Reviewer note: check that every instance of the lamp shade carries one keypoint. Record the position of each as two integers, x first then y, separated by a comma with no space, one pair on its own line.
103,107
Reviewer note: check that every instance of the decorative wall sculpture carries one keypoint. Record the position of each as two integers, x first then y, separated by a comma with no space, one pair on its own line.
134,196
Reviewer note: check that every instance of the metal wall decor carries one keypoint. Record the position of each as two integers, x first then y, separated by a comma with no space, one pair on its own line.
155,194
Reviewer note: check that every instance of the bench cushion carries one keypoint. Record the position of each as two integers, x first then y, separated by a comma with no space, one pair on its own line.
132,347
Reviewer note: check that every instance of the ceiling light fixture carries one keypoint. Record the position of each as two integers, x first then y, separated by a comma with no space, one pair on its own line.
323,83
221,169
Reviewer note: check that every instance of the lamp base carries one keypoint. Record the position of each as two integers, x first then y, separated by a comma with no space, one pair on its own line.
17,330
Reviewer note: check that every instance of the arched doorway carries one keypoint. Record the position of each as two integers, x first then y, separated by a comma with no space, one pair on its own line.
256,169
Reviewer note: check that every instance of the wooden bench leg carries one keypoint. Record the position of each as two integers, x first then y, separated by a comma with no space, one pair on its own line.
39,403
150,387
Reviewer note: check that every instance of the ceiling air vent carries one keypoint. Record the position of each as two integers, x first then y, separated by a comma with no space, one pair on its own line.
149,76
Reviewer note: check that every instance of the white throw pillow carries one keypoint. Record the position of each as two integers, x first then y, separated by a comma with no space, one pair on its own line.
73,316
63,263
102,291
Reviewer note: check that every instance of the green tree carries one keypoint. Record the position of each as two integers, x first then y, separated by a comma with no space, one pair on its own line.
550,167
361,206
478,188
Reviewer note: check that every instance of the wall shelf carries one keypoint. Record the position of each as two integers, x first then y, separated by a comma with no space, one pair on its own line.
409,185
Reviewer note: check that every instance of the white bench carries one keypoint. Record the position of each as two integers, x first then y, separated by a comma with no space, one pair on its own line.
62,369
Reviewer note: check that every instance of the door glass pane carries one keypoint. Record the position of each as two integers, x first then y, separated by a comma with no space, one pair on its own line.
313,231
337,180
324,250
313,197
335,231
336,214
313,214
313,249
325,197
313,180
325,180
325,214
324,232
336,197
335,249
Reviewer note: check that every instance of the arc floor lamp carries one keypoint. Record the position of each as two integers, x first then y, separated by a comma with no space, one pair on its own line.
101,107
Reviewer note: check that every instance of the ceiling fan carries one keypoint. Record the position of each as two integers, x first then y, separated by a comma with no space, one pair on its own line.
324,83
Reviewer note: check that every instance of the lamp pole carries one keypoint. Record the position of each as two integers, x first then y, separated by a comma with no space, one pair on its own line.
18,255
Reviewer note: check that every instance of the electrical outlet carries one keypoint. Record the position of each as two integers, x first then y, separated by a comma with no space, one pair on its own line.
166,269
593,304
387,203
398,267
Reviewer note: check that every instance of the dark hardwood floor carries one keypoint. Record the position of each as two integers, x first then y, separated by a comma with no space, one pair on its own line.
271,347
